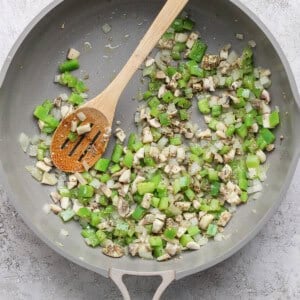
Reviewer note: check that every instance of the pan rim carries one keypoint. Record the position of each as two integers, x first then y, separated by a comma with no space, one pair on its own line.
183,272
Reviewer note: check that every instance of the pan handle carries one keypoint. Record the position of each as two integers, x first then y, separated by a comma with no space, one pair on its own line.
117,276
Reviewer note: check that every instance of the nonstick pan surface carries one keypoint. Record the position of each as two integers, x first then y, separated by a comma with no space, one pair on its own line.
27,79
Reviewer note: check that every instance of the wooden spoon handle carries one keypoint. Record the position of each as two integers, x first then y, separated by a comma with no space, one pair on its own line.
162,22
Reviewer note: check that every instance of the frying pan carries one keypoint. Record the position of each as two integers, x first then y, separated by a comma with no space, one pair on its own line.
26,79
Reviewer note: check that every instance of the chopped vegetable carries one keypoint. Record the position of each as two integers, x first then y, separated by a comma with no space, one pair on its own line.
171,185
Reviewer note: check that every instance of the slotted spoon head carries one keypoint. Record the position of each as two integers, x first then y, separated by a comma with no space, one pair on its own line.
84,152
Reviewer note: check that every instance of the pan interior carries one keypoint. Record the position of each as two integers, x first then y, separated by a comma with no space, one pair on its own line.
30,80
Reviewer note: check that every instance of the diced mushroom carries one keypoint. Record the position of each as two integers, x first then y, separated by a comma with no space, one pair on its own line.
180,154
73,54
160,74
55,208
208,84
205,221
265,108
81,116
125,177
76,205
80,178
254,128
146,200
261,155
265,96
154,123
157,226
172,249
163,257
210,62
48,161
161,91
144,251
105,190
165,44
42,166
73,126
225,173
183,205
147,135
270,147
224,218
203,134
41,124
64,110
64,202
239,36
188,216
171,110
123,207
71,185
221,134
154,152
133,249
229,156
113,250
181,231
55,196
137,180
224,52
196,204
138,155
191,39
149,62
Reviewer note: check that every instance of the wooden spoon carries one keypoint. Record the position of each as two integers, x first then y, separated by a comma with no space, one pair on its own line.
99,112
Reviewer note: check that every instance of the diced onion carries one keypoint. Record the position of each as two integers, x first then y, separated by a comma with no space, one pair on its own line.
162,142
232,57
35,140
32,150
106,28
24,141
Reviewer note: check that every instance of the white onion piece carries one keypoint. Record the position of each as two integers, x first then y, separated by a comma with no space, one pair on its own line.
248,107
232,57
236,74
35,140
203,241
110,183
32,150
35,172
162,142
56,113
219,145
194,169
24,141
95,183
48,141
